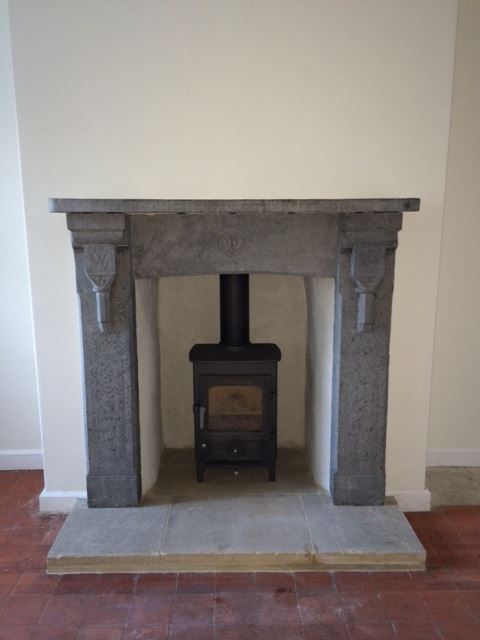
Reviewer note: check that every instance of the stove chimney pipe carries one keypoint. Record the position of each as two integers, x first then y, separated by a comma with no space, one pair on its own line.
234,310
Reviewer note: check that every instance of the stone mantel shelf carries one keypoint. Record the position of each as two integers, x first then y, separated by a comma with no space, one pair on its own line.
353,241
301,206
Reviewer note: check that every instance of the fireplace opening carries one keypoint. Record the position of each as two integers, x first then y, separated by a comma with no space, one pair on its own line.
235,389
187,313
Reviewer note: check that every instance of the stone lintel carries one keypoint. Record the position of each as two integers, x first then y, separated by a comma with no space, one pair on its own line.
312,206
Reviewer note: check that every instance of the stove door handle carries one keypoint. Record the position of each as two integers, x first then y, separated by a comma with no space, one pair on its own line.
201,416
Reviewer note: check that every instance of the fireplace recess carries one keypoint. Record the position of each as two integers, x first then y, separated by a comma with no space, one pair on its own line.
235,389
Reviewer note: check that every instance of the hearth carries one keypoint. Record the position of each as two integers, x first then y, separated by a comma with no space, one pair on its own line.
235,389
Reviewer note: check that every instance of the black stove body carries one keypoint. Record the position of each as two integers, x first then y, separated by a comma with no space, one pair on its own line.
235,389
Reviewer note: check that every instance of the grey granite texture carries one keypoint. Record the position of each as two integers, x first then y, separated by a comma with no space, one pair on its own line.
171,245
110,368
356,245
358,530
353,205
365,264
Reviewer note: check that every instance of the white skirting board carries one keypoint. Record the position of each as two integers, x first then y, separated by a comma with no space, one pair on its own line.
453,458
413,500
13,459
59,501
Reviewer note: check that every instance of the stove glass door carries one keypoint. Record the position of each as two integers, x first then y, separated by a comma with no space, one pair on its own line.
235,407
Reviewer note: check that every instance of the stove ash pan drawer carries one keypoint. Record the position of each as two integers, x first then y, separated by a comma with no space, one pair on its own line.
231,450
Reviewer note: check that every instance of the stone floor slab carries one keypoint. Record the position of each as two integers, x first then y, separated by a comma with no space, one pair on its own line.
237,525
359,536
234,523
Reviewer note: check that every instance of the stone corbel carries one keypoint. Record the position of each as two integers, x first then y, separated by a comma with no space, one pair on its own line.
99,236
367,269
100,269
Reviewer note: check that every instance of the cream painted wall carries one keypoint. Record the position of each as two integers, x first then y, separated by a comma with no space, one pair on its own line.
189,313
284,98
454,437
20,444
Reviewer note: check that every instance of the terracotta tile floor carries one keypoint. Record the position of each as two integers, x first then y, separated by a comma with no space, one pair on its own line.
441,602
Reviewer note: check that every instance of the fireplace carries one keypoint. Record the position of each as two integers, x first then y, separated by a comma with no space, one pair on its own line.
235,389
352,242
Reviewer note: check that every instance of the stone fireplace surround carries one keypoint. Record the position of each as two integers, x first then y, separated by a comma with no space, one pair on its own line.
118,241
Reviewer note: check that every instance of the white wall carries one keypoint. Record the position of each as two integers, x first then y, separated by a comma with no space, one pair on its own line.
454,437
20,445
284,98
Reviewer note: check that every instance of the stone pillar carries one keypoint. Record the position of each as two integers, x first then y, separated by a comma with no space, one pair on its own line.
363,301
106,288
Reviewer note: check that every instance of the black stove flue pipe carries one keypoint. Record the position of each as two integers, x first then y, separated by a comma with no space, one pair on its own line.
234,310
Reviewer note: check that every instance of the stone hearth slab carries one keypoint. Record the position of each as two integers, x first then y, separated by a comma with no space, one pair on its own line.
360,535
240,533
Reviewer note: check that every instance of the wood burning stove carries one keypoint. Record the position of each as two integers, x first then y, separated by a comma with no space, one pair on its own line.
235,389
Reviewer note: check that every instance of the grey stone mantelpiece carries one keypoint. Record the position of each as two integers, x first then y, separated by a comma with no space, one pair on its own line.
118,241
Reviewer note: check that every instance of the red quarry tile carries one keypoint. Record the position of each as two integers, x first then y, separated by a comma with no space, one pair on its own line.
452,615
236,608
393,581
153,583
179,632
325,632
235,582
363,608
460,558
93,632
24,609
370,631
193,609
37,559
275,582
405,607
36,582
414,631
146,632
82,584
354,582
433,580
326,608
473,599
311,582
15,632
277,608
8,582
66,611
266,632
14,560
196,583
466,579
29,482
108,610
53,633
150,609
114,583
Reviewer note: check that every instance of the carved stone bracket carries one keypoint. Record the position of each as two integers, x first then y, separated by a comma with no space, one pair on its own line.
367,269
100,269
98,236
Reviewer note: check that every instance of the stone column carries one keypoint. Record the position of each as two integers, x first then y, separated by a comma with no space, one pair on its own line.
106,288
363,302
